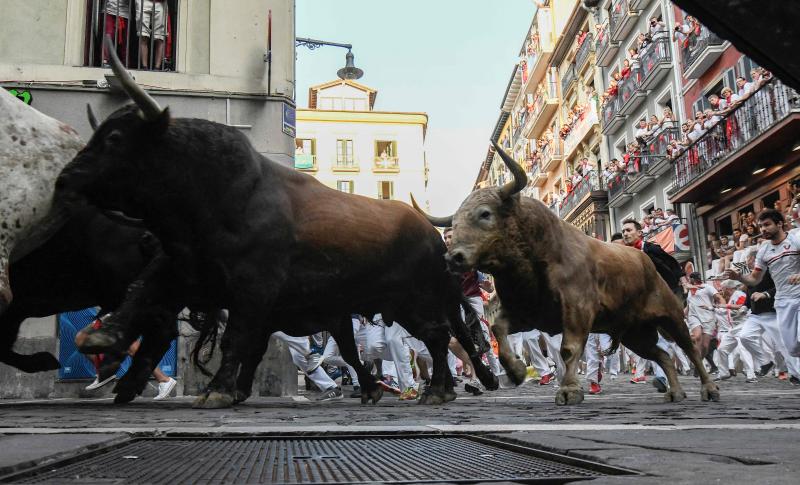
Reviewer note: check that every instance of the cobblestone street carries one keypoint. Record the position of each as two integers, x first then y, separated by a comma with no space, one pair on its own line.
750,436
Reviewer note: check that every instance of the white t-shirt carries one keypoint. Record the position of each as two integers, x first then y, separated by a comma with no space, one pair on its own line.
642,132
700,302
783,260
734,318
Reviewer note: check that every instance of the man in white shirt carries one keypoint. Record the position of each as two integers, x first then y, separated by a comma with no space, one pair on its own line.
781,255
734,315
700,312
642,132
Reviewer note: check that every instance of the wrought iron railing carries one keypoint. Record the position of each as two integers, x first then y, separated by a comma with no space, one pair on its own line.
617,184
619,9
629,86
569,77
588,183
586,48
603,38
552,150
610,109
584,123
657,144
542,97
696,44
769,105
655,53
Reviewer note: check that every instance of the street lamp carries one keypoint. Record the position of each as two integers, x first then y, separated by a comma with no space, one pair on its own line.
349,71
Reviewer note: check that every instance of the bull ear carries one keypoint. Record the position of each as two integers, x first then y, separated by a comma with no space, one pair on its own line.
91,116
436,221
151,111
520,179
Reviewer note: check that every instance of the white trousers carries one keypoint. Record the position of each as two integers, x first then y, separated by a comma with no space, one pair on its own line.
762,332
388,343
333,356
553,344
728,345
596,343
788,313
299,349
530,341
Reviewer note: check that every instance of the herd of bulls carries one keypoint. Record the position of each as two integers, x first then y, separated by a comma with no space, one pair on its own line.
155,214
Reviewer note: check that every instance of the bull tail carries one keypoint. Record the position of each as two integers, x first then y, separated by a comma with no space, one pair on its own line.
208,324
612,349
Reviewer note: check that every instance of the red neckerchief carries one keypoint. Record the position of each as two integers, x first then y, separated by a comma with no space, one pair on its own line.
638,244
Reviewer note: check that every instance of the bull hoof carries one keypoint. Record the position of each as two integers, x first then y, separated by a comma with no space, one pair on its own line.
214,400
239,396
709,392
569,395
375,394
517,372
490,381
429,398
676,395
124,397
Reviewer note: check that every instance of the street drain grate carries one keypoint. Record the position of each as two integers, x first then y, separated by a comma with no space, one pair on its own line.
331,460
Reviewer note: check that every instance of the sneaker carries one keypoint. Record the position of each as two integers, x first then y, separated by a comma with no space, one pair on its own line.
783,375
638,380
389,384
164,388
594,388
331,394
613,377
546,379
356,392
722,377
751,380
410,394
474,386
97,384
660,383
794,380
765,369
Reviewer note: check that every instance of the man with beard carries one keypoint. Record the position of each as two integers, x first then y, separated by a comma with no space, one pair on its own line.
781,255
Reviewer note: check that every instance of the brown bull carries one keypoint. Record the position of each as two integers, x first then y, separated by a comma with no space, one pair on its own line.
552,277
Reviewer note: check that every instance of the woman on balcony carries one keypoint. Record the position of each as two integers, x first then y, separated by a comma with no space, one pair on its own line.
668,121
728,102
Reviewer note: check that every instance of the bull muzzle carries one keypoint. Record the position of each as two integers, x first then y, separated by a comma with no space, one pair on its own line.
458,261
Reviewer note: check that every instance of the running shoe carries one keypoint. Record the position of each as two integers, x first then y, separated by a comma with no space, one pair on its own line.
97,384
410,394
546,379
783,375
332,394
474,386
594,388
794,380
639,380
660,383
389,384
751,380
765,369
164,388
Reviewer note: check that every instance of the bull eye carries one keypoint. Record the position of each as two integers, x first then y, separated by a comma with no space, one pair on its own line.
485,214
114,138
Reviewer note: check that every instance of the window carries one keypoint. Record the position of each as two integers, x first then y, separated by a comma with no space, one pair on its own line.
386,154
305,153
744,66
725,226
346,186
342,103
344,153
385,190
729,78
769,201
130,25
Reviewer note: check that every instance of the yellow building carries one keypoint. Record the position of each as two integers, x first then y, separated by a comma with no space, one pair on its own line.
348,145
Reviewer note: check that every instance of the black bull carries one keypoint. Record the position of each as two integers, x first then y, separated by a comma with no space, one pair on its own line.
276,247
90,261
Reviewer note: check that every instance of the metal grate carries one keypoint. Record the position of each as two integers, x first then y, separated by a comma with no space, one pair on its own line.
331,460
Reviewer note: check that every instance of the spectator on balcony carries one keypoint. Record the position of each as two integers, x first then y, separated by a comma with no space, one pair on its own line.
151,22
744,88
725,251
643,41
728,102
654,125
580,38
669,118
680,34
116,15
642,131
672,217
658,30
625,72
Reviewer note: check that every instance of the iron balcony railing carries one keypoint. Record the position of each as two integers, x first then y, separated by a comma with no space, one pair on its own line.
569,77
588,183
610,109
654,54
143,33
696,44
773,102
551,151
656,146
386,163
651,234
603,38
617,184
629,86
542,97
619,9
345,163
584,50
523,117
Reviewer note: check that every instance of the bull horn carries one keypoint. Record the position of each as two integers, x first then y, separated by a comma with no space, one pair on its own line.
151,111
436,221
520,179
91,116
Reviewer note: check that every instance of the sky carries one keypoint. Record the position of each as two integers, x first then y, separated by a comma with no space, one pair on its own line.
450,59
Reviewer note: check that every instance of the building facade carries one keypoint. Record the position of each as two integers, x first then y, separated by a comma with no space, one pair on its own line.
207,60
347,145
741,164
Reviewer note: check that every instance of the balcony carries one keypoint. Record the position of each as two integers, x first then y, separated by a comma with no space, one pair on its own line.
386,165
554,207
612,119
655,153
631,95
621,19
672,237
545,104
305,162
521,121
618,193
656,62
568,79
588,184
581,130
605,49
345,165
551,155
537,67
757,130
584,52
639,4
702,51
535,175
